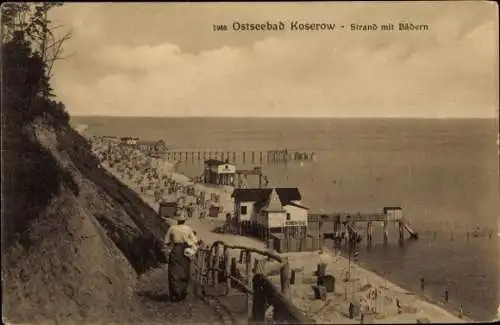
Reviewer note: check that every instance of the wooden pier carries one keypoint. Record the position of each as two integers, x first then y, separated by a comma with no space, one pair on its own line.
238,156
333,224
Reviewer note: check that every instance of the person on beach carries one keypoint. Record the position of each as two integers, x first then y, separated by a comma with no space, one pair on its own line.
181,244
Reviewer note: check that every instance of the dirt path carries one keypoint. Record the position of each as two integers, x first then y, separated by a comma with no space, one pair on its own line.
155,308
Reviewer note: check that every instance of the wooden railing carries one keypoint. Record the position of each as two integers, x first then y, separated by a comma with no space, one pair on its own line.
217,270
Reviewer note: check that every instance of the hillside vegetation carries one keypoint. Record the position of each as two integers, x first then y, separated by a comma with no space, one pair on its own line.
74,239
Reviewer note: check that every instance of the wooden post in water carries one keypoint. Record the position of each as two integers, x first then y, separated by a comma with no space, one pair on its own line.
234,157
401,232
261,157
386,231
369,233
244,157
253,157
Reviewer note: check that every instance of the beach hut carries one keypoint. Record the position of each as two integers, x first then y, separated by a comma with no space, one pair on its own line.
214,210
219,172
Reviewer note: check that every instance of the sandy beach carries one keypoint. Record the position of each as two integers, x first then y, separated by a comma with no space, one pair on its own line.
149,177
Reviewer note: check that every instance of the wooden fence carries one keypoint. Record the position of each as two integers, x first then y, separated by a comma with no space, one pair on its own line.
289,239
217,273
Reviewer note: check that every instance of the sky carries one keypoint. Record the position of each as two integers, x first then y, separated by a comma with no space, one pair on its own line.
165,60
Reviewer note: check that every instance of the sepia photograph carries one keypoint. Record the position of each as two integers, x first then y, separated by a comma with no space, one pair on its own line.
250,163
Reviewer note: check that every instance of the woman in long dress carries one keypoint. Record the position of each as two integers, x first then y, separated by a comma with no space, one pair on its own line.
182,244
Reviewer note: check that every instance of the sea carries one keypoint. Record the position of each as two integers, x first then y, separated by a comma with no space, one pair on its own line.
442,172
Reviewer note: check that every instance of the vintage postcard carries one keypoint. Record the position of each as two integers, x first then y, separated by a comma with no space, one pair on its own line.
235,163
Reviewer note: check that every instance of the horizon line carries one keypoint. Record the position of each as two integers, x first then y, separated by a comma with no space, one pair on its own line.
292,117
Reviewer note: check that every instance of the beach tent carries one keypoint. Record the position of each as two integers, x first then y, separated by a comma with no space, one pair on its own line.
214,210
167,209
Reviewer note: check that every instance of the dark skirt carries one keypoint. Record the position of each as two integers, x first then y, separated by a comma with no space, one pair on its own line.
179,270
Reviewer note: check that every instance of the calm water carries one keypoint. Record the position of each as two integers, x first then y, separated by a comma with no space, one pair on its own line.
444,173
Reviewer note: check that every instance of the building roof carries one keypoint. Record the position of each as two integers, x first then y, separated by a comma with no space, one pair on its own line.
297,205
214,162
261,196
274,204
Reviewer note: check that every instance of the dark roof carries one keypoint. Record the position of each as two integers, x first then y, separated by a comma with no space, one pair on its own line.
298,205
392,208
251,194
214,162
260,196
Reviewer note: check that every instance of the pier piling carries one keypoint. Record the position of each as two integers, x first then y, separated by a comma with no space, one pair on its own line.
386,231
237,156
369,233
401,232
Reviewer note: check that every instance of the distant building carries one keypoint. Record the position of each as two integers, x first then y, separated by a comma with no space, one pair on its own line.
144,146
218,172
111,138
151,146
129,141
272,208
